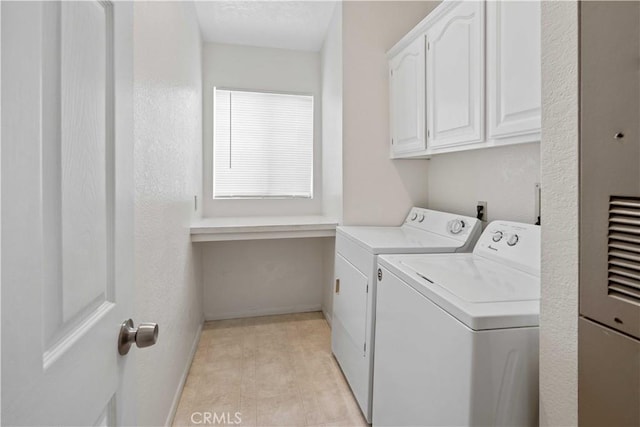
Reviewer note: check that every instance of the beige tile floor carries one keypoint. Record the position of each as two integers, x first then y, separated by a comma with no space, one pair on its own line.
273,370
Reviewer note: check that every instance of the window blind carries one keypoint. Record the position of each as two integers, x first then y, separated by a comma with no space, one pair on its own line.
263,145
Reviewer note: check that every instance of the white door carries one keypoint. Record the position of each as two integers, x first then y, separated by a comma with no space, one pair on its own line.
455,77
67,212
407,93
513,68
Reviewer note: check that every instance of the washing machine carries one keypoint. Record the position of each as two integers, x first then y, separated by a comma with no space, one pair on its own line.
457,335
357,251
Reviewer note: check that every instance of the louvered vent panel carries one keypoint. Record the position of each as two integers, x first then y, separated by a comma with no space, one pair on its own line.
624,249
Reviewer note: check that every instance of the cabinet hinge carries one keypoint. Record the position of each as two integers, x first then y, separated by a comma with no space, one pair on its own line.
392,141
367,288
391,73
365,347
428,45
428,133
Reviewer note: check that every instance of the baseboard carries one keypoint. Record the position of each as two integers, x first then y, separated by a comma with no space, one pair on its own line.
183,379
327,316
263,312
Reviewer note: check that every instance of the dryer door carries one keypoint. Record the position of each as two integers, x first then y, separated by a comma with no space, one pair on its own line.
348,334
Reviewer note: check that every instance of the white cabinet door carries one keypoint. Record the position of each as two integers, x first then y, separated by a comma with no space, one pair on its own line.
513,68
407,96
455,77
67,212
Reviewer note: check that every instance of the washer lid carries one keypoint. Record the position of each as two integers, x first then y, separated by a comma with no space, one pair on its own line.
476,280
481,293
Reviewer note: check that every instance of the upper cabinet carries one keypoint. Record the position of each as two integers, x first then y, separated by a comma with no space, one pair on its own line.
481,86
455,77
406,78
513,70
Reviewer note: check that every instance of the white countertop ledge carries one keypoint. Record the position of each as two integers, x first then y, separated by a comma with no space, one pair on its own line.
265,227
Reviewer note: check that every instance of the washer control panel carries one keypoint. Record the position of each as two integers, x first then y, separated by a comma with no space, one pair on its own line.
455,226
511,243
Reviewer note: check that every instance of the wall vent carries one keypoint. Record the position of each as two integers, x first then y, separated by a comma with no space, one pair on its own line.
624,249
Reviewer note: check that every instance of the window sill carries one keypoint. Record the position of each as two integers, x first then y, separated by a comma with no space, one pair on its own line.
256,228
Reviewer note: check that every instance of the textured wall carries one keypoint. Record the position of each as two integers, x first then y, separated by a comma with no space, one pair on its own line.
0,204
284,275
259,277
331,77
504,177
168,146
259,68
559,159
377,190
331,63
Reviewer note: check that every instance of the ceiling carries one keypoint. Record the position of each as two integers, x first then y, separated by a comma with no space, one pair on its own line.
296,25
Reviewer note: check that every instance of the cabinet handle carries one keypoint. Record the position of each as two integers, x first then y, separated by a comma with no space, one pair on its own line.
337,286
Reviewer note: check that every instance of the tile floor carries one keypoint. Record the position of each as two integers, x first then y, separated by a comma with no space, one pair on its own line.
273,370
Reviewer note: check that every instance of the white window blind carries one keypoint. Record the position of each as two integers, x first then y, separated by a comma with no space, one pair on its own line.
263,145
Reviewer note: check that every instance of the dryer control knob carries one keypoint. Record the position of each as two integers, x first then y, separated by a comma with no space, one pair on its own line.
512,240
456,226
497,236
421,218
414,216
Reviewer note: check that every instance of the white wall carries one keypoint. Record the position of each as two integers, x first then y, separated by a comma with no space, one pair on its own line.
284,275
260,277
504,177
380,191
168,138
376,190
331,62
0,212
266,69
559,159
331,65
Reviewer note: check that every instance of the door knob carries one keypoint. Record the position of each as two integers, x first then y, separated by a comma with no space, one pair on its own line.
145,335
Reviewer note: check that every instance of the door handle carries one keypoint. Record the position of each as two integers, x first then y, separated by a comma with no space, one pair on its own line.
145,335
337,286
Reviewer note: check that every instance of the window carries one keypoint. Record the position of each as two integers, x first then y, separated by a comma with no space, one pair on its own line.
263,145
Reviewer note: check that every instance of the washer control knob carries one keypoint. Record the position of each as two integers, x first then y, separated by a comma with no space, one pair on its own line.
497,236
456,226
421,218
414,216
512,240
